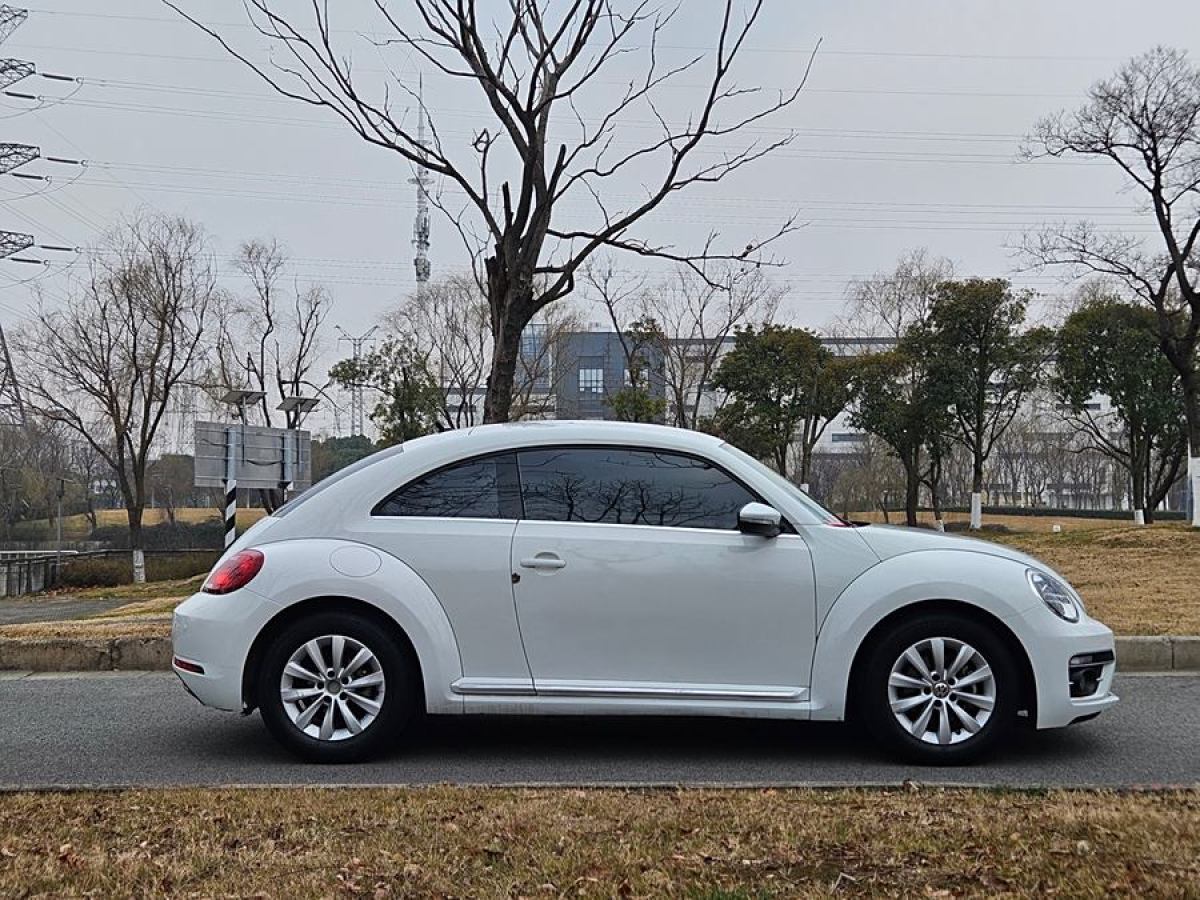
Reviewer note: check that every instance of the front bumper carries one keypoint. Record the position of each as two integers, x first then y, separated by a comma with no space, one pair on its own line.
214,632
1052,644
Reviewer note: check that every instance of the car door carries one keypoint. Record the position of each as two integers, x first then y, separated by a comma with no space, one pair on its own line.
631,579
454,528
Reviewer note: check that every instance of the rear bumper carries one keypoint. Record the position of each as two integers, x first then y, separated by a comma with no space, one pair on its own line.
214,632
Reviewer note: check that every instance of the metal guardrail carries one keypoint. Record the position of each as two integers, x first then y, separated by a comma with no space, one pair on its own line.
30,571
27,576
5,554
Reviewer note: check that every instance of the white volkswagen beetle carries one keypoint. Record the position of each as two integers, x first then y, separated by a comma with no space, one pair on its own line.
603,568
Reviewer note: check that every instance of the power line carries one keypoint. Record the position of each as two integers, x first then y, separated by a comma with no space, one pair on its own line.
825,51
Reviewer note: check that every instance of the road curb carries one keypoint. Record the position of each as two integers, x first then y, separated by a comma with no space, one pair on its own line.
1134,654
1158,654
85,654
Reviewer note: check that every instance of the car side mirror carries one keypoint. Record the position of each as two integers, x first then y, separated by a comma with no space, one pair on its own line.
759,519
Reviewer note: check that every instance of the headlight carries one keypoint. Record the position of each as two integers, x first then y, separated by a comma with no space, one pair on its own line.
1054,594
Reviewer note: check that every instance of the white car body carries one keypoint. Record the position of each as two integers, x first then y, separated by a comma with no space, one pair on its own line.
638,619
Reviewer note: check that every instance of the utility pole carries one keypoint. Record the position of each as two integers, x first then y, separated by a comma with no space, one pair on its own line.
422,181
358,417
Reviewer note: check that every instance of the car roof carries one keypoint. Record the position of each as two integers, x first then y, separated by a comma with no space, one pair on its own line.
486,438
559,431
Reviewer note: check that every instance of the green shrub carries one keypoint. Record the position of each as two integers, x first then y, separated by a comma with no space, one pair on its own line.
95,571
30,531
174,566
115,569
180,536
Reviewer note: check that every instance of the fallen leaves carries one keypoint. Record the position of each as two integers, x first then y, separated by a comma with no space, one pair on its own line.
460,842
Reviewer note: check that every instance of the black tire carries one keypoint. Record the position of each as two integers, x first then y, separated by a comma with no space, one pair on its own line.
399,702
874,702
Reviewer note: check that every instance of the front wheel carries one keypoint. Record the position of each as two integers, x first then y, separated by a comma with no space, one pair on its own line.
335,688
941,689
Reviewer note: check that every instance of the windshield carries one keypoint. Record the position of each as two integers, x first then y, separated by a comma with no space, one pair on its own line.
818,512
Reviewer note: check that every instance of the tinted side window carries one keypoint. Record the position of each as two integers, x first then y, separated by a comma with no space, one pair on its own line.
631,487
478,488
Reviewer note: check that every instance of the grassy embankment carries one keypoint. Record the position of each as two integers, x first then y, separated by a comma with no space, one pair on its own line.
487,842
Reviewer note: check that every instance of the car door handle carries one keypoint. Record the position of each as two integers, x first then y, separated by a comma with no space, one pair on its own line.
543,561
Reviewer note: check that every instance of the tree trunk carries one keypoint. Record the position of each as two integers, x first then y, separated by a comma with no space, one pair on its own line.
516,311
912,489
1139,461
135,543
1191,411
977,492
780,455
806,448
935,500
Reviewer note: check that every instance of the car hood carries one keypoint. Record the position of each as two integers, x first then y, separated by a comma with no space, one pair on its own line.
892,540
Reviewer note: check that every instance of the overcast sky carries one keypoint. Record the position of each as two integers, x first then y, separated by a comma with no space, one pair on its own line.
907,137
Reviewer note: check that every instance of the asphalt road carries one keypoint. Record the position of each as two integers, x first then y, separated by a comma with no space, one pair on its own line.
142,729
36,608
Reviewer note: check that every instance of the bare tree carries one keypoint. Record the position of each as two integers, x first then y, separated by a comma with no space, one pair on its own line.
699,315
1146,121
626,302
447,330
270,341
447,326
107,364
535,63
546,359
887,304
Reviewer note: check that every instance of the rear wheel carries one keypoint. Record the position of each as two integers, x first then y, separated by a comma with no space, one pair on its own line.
336,687
941,689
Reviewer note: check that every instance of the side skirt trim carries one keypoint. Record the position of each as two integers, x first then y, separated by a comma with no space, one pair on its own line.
493,687
633,690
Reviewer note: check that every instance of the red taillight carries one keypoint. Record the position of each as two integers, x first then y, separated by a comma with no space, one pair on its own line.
234,572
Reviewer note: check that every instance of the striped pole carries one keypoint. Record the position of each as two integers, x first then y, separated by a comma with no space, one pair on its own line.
230,511
231,467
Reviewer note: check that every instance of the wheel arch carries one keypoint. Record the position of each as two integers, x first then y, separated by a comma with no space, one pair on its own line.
987,588
1028,687
330,604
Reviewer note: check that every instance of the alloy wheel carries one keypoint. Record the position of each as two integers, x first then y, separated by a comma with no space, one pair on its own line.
332,687
942,691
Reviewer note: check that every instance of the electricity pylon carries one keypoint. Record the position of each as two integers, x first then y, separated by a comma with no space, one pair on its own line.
421,224
11,18
358,406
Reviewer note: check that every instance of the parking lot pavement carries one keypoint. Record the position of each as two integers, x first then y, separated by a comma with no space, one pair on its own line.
142,729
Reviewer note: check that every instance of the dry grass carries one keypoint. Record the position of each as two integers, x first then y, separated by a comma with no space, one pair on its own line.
175,589
1135,580
86,629
1034,524
482,842
76,528
149,617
